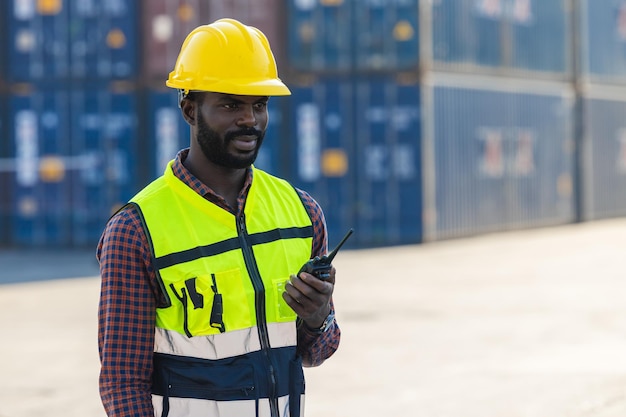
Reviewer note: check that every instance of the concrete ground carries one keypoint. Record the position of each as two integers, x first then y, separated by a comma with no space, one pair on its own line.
520,324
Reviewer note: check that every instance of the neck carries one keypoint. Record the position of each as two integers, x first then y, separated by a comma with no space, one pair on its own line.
226,182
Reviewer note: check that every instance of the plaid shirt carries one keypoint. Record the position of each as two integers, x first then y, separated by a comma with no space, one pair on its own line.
130,295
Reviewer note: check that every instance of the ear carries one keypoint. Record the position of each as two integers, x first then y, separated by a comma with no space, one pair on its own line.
189,108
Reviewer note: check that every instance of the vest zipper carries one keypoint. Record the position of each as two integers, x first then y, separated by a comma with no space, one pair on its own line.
259,295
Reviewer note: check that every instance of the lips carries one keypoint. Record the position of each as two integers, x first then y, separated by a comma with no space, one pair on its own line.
245,143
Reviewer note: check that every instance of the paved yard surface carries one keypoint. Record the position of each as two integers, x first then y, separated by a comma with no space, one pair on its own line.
521,324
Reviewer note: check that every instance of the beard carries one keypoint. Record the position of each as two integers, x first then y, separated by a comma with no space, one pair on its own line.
215,148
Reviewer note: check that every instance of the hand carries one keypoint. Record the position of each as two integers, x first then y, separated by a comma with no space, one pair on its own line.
310,297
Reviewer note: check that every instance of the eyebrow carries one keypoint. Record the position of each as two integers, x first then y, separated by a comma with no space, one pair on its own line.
233,98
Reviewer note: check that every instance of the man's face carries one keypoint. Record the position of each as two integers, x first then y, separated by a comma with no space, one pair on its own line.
230,128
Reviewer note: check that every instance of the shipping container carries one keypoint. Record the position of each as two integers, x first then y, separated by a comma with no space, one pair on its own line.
603,40
387,133
103,39
502,35
40,184
166,24
104,154
63,39
343,35
604,165
319,35
542,35
167,130
321,144
498,155
38,40
4,22
266,15
6,168
272,156
385,35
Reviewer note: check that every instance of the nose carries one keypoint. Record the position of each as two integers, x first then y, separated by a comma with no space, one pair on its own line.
247,116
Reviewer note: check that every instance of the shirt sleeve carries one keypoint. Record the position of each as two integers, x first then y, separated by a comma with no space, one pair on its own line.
315,348
126,316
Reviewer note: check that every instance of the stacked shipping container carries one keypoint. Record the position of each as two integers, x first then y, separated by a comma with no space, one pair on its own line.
5,162
501,36
165,25
71,115
602,85
503,157
498,122
409,120
355,126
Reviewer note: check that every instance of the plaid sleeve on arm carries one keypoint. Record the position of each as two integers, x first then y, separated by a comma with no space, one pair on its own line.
312,347
126,316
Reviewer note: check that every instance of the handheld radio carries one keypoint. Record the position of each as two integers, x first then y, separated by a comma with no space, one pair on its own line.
320,267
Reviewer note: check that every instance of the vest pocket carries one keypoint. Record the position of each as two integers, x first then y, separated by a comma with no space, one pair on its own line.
219,383
210,304
281,308
192,378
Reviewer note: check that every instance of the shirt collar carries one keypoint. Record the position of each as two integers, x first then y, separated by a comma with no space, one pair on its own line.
204,190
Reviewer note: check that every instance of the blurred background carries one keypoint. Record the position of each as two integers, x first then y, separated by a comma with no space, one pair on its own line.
410,121
425,125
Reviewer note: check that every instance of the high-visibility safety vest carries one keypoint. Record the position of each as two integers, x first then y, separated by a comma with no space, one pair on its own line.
225,345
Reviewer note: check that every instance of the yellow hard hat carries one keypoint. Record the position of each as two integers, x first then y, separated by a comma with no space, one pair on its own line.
227,57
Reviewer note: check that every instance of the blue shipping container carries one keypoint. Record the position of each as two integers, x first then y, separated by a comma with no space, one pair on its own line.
103,38
319,35
272,157
56,39
605,168
321,149
38,40
541,35
104,156
40,186
341,35
603,40
6,167
387,132
385,34
4,11
502,158
466,32
514,34
168,131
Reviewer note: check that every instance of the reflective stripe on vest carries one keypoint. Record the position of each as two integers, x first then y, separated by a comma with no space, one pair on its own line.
186,407
224,276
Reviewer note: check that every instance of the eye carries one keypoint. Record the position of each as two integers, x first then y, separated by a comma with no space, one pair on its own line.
261,105
231,106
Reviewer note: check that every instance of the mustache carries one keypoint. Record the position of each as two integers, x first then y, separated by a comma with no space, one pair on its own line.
244,132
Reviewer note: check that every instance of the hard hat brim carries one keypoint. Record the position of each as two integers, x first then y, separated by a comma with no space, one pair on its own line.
242,87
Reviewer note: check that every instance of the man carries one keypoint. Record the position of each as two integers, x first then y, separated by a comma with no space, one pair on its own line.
200,311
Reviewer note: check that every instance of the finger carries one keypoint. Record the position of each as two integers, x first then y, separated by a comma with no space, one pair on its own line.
302,305
306,281
308,298
333,272
291,302
293,291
